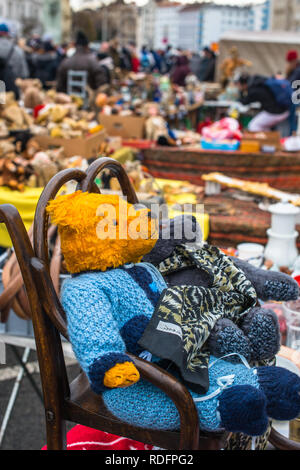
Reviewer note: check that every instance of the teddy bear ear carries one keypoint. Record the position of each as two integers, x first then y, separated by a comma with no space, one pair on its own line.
183,229
64,210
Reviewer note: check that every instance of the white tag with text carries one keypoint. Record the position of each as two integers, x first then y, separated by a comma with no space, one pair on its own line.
169,328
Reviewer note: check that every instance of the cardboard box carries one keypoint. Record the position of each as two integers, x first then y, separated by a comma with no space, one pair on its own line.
265,138
87,147
127,127
250,146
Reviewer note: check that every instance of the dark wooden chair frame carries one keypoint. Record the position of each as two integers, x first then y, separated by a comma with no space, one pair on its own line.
76,402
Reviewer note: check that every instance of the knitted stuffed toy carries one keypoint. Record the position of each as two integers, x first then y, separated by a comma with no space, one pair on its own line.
110,300
257,336
239,399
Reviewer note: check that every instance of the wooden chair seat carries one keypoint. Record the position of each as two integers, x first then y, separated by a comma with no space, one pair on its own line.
87,408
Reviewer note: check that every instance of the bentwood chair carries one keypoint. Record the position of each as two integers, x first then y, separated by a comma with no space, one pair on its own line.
75,402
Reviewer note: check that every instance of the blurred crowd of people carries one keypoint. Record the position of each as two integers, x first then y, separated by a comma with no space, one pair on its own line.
39,58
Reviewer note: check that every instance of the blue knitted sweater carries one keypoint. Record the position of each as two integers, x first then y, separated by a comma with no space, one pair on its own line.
144,405
107,313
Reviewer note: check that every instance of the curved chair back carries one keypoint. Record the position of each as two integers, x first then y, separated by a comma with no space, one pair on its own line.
41,221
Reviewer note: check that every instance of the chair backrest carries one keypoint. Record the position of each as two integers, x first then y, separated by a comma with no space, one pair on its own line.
49,300
47,337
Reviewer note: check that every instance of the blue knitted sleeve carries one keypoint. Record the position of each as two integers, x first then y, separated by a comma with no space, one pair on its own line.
92,329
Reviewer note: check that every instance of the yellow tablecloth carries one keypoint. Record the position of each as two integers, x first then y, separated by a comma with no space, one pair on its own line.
25,202
202,219
123,155
182,198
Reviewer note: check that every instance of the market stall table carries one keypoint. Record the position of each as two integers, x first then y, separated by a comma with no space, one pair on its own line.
280,169
233,221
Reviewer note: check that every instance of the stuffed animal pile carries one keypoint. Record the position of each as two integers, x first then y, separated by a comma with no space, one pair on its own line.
186,307
65,121
13,117
24,163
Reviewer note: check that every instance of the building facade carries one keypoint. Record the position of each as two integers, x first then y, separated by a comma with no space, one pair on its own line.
146,24
261,14
57,19
109,20
22,15
214,20
198,25
285,15
26,17
166,29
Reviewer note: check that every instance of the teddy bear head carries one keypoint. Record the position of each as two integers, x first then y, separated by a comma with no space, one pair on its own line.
99,232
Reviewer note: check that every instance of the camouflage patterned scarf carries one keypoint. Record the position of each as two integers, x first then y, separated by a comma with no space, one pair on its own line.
186,315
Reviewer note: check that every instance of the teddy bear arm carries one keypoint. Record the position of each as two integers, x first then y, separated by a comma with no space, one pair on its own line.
96,339
269,285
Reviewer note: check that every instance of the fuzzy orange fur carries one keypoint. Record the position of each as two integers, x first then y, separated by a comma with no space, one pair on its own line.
121,375
81,217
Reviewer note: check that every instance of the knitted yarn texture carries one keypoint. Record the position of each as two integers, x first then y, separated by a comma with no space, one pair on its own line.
107,313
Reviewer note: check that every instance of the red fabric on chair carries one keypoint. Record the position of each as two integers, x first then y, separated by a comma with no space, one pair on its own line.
84,438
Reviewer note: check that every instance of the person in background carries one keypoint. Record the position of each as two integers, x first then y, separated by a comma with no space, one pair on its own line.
231,64
181,71
195,63
125,59
207,66
61,52
28,52
82,60
107,65
293,76
157,61
163,64
71,49
12,58
254,90
135,61
113,51
293,66
45,63
146,59
170,58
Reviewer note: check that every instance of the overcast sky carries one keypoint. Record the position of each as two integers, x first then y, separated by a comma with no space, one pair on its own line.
77,3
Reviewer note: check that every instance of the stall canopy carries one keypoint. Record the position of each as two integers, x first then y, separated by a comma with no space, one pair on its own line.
265,49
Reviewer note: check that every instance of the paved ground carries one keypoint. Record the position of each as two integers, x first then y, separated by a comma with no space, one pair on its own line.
26,427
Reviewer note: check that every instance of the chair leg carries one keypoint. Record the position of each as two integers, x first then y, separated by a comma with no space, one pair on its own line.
56,434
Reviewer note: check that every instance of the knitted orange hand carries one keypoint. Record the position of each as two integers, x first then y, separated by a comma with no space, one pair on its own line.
121,375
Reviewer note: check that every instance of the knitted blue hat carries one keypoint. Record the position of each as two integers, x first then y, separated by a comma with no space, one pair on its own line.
4,28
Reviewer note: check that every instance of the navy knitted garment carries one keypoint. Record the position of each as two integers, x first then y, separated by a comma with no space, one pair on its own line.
282,389
261,326
230,339
146,406
239,399
244,409
107,313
